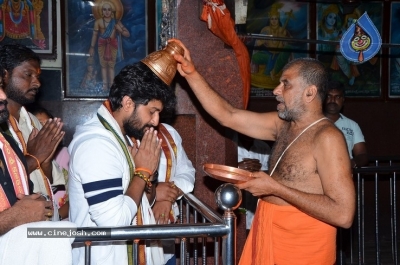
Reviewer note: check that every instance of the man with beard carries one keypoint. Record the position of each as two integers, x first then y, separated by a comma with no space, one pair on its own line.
21,82
21,209
354,137
112,178
309,188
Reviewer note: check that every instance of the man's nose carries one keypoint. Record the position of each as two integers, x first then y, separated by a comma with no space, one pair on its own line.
36,82
277,90
155,120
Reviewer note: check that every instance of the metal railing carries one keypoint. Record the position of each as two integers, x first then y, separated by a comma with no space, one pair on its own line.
198,225
373,238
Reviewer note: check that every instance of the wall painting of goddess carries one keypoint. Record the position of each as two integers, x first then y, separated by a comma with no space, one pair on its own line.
101,37
30,23
394,66
360,79
281,19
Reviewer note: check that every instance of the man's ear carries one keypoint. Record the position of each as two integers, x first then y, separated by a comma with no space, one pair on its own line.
6,76
310,93
127,104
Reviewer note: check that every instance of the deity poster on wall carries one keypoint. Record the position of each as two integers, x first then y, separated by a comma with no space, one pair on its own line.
280,19
329,27
30,23
361,79
394,67
102,37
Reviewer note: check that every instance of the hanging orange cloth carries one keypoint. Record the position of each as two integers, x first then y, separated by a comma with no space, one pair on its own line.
222,25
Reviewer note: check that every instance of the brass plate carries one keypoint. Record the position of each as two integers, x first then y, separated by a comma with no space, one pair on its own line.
227,174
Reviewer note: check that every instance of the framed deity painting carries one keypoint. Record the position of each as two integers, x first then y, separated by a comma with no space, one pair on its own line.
333,20
276,30
30,23
394,61
101,37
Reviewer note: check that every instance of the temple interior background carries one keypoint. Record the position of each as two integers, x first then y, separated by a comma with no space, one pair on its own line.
206,141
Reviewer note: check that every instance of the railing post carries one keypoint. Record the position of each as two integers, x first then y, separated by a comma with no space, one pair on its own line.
135,251
229,242
87,252
183,251
395,252
228,198
377,241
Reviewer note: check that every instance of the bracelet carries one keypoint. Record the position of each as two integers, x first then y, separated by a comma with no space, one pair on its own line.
144,169
142,176
37,160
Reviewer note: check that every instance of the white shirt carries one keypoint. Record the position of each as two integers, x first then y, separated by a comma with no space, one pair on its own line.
182,174
259,150
351,132
28,121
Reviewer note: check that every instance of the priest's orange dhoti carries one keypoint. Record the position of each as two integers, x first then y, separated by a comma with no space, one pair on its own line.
283,235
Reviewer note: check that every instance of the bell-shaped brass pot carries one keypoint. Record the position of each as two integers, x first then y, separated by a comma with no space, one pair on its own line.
162,62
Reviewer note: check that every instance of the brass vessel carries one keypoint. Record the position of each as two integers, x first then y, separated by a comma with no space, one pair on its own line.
162,62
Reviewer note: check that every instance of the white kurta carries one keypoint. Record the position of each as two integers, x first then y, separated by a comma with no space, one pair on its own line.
182,174
99,177
25,126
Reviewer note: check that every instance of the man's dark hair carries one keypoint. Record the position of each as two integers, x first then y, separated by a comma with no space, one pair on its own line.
2,72
313,72
333,84
139,83
12,55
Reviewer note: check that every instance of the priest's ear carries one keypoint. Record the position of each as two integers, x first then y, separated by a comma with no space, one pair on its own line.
310,92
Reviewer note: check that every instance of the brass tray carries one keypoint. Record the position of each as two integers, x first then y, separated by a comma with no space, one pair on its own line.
227,174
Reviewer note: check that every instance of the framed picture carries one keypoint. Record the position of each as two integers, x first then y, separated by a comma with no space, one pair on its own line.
30,23
394,61
272,25
360,79
101,37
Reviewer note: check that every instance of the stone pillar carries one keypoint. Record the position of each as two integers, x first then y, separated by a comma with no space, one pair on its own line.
218,64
